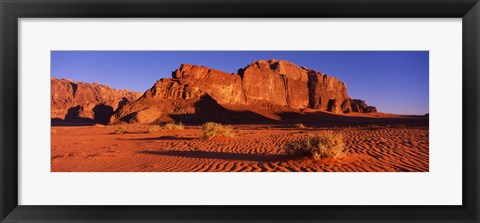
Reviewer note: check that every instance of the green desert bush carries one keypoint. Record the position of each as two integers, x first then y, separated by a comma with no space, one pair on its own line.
323,145
172,126
120,130
212,129
299,125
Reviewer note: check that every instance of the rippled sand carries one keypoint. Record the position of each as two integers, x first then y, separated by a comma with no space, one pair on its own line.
255,148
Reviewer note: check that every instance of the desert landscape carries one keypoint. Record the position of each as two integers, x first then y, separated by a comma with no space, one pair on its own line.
270,116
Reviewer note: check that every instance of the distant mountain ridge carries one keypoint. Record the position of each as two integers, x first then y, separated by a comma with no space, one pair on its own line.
73,101
259,91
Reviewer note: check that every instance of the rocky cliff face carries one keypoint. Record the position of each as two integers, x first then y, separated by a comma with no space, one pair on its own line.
264,84
73,101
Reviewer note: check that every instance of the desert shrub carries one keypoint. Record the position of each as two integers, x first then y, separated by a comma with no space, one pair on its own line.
374,126
154,128
73,154
120,130
324,145
299,125
212,129
173,125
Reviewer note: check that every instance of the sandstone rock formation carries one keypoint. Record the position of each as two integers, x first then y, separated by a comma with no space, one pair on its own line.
73,101
202,93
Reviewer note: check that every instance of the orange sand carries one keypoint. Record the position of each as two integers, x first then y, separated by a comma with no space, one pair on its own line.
392,148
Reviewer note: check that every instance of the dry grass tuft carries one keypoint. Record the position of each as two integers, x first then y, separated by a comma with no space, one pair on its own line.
324,145
299,125
73,154
120,130
212,129
173,126
154,128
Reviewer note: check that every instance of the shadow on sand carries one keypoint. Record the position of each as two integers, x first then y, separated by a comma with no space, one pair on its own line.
220,155
163,138
208,109
326,119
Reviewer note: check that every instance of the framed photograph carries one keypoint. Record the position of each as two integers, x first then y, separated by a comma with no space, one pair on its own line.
228,111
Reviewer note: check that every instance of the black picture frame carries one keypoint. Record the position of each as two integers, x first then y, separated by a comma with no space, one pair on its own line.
11,11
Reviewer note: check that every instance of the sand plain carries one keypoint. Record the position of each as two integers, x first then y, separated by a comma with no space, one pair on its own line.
379,143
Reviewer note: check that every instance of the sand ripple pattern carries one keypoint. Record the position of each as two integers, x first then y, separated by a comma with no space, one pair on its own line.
379,149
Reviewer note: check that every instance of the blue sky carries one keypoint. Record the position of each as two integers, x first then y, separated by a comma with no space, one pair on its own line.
393,81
